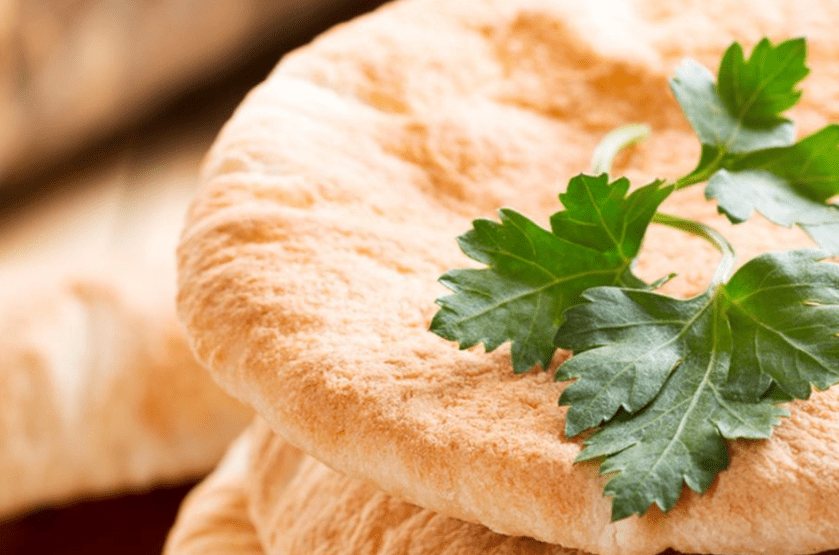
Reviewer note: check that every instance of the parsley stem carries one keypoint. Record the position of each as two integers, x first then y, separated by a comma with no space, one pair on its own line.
709,234
616,140
703,175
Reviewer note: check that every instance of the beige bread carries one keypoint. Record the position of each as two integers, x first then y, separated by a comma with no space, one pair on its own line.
100,391
329,207
266,497
214,518
72,71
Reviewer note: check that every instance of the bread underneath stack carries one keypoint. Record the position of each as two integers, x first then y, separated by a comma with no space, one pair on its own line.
269,498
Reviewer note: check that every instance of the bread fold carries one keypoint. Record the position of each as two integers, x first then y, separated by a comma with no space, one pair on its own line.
214,518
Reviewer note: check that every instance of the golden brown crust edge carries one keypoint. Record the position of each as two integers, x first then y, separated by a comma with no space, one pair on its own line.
213,518
308,266
268,497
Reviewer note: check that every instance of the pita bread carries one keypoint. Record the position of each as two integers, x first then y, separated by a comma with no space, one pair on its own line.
214,516
74,71
267,497
329,208
101,393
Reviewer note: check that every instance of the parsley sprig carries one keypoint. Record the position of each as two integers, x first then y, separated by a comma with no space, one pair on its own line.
661,381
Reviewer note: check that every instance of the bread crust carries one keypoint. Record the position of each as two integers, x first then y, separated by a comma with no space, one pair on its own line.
267,497
329,207
214,517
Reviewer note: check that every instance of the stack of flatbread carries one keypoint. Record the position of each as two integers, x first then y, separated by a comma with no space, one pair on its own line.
328,208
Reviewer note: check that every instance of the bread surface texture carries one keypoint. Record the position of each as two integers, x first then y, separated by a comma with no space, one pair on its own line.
214,518
267,497
329,207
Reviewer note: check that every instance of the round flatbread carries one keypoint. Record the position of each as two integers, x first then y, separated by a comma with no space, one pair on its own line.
267,497
329,208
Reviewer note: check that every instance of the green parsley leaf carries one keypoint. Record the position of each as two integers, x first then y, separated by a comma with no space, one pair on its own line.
717,127
748,155
826,236
600,216
534,274
665,377
787,185
811,165
741,111
740,193
784,315
758,90
663,381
